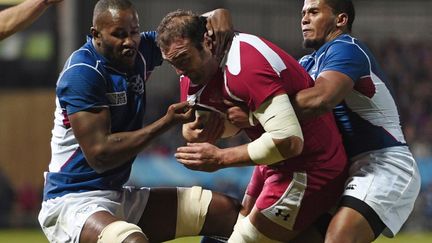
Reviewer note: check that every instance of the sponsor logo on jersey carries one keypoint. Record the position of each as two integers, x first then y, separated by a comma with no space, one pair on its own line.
117,98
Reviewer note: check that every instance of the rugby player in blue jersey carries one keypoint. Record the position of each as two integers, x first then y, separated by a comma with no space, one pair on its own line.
384,180
98,131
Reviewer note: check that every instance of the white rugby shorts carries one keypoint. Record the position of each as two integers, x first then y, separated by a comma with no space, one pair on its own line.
63,218
387,180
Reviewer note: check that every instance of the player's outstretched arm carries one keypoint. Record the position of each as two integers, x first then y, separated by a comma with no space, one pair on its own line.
105,150
20,16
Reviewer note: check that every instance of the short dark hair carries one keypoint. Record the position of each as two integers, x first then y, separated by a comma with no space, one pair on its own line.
103,5
343,6
181,24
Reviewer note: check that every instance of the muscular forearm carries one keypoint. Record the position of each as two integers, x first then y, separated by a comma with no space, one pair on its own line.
310,103
119,148
235,156
239,156
105,149
331,87
20,16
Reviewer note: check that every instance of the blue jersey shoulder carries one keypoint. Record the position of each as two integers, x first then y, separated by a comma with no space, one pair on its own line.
344,55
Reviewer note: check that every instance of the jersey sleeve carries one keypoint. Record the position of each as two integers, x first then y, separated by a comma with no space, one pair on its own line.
150,50
80,88
348,59
255,85
263,86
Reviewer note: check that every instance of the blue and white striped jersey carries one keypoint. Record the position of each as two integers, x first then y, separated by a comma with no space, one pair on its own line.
89,81
368,118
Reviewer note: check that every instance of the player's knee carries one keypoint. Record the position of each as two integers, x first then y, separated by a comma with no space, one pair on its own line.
245,232
118,231
192,207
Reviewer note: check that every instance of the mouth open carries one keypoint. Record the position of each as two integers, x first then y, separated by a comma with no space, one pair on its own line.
128,52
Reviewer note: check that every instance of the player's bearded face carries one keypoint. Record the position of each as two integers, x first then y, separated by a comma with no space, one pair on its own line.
188,60
119,39
202,69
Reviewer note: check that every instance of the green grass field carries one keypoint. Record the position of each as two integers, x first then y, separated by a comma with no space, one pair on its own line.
36,236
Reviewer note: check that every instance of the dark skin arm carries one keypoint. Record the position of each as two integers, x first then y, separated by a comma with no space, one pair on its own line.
105,150
330,88
220,29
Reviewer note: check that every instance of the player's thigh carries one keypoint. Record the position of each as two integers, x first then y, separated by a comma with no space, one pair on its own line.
94,226
158,220
348,225
254,189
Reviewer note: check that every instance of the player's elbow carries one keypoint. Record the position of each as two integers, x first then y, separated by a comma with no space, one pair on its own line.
297,145
98,159
291,146
326,104
97,165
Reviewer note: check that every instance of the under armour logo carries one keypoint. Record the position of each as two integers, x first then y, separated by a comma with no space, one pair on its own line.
350,187
280,212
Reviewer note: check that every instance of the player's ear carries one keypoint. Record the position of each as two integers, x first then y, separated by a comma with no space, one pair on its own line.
94,32
342,20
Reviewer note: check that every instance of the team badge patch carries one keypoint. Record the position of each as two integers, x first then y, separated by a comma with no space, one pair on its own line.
136,84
